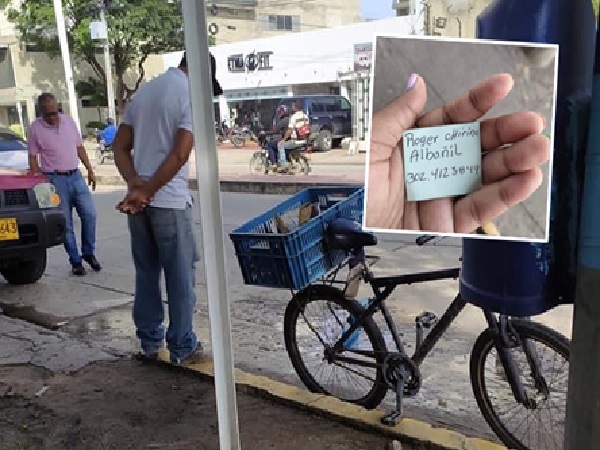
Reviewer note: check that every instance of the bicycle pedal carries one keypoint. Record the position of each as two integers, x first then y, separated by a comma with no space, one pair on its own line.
427,319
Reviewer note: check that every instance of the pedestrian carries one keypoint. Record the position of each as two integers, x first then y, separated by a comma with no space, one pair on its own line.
55,148
158,120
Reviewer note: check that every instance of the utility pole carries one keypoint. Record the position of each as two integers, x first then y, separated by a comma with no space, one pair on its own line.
583,402
66,57
110,93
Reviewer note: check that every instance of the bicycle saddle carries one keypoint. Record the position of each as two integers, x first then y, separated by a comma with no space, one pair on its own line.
346,234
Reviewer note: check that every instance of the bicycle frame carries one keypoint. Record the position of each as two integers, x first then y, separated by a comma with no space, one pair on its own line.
384,286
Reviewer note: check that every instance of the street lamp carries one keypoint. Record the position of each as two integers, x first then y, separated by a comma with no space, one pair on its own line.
110,94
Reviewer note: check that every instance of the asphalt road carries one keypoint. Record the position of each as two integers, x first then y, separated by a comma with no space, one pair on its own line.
96,310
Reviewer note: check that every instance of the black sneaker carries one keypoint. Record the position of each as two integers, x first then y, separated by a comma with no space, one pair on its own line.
93,262
78,269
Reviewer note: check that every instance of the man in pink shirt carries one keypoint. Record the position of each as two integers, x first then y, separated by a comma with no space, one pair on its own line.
55,148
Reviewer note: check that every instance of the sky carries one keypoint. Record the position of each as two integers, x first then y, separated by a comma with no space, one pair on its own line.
377,9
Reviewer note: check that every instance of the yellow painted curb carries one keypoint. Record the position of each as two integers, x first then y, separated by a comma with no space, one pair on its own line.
408,430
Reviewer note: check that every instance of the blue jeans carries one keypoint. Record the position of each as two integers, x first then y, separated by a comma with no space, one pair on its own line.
163,239
272,149
281,148
74,193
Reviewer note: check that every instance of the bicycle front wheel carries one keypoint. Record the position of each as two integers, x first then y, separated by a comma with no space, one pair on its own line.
315,320
541,423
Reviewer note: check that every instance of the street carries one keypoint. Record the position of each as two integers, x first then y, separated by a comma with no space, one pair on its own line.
94,313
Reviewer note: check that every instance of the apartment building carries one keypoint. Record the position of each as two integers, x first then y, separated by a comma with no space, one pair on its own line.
25,72
232,21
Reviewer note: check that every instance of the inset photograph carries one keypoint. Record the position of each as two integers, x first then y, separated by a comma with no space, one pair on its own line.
461,137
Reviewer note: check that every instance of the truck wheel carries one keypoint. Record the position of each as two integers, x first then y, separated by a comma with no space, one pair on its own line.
26,272
324,140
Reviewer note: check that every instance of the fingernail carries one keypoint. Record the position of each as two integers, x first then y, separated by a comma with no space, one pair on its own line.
411,81
544,121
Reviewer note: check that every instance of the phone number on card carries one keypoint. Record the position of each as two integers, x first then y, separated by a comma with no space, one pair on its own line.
441,173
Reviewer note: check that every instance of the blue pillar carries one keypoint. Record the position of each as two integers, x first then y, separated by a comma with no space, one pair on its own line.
520,278
583,408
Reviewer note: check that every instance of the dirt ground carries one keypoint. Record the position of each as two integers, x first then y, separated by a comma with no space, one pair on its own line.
131,405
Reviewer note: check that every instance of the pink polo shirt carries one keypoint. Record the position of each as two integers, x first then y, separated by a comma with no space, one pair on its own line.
56,146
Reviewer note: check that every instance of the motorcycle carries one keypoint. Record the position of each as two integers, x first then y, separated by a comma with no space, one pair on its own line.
224,133
103,152
298,162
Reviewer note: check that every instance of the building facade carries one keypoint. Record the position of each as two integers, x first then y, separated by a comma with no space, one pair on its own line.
453,18
230,21
256,74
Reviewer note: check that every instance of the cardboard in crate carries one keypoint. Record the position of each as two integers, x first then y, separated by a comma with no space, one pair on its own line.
298,258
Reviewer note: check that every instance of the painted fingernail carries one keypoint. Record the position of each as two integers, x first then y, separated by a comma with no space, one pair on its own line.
411,81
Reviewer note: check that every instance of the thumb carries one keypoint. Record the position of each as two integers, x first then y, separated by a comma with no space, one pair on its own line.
400,114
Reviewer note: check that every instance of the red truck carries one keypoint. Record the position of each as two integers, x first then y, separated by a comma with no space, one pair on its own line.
30,220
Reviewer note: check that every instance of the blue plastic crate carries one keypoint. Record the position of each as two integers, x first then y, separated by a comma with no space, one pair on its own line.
296,259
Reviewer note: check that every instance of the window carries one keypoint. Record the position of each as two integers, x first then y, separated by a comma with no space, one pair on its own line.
282,23
403,11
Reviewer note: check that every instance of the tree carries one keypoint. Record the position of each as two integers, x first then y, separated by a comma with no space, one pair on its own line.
95,90
136,28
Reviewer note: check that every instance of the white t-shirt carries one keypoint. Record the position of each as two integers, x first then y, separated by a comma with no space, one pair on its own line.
296,120
156,111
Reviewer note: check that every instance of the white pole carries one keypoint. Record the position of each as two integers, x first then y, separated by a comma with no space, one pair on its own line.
66,57
20,113
110,93
209,195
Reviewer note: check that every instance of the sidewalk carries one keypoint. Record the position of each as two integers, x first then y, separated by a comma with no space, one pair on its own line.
56,389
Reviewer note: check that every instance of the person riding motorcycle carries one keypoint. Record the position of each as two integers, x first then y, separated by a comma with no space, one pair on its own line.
108,133
283,118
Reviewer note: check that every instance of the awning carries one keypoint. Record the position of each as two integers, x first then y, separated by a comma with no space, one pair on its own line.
254,94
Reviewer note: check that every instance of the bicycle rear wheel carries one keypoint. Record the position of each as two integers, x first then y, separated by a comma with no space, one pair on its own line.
259,164
353,382
303,164
511,421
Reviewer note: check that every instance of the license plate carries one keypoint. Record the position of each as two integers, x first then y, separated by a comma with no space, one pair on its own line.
9,231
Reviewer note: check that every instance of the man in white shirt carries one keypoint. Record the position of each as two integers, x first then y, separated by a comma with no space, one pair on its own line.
158,120
291,139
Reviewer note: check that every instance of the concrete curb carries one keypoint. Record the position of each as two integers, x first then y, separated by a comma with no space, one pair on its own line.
408,430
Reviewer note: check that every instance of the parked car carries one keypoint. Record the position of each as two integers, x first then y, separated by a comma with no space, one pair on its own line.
30,221
330,117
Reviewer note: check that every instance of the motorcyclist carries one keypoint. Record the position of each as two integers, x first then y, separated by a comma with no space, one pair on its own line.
282,116
108,133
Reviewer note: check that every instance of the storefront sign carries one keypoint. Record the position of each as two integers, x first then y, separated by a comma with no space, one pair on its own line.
251,62
363,54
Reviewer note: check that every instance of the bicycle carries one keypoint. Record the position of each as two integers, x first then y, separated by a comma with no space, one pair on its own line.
395,370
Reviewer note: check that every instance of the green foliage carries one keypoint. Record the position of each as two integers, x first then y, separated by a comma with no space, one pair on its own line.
94,89
95,125
137,29
596,5
17,129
